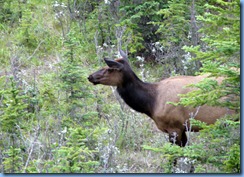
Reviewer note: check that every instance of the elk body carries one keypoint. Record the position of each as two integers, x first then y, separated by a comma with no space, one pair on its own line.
152,98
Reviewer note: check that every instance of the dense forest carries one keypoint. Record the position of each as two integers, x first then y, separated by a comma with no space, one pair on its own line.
53,120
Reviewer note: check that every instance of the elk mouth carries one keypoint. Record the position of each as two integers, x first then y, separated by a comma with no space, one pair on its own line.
93,80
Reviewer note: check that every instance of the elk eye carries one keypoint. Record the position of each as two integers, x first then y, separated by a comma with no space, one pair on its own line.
110,70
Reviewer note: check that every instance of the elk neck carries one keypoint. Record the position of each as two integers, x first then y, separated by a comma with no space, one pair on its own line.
139,95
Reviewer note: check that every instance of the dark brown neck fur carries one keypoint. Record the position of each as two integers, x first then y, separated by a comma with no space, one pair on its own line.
139,95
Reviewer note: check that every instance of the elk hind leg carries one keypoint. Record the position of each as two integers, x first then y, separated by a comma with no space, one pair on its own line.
178,137
183,139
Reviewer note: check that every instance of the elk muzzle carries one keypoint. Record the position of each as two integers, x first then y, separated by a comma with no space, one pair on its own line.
93,80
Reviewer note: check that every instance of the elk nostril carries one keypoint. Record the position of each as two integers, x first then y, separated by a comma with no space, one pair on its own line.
90,77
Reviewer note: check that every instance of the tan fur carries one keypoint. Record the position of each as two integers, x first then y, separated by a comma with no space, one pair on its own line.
170,118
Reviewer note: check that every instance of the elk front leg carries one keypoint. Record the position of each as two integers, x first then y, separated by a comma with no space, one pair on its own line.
178,137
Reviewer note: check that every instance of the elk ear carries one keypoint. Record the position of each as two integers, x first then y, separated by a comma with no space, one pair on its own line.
113,64
124,56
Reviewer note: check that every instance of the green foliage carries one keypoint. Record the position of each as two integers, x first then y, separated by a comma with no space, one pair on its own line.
13,108
178,28
26,34
232,164
207,93
219,145
221,33
220,57
168,152
14,117
10,11
75,156
210,92
73,77
13,162
176,22
136,19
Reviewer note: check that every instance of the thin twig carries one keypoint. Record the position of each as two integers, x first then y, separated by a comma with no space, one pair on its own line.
188,129
31,149
35,50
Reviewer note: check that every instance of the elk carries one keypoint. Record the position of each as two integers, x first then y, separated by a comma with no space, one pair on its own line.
152,98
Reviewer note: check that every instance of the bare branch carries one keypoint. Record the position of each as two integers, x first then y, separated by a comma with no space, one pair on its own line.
35,50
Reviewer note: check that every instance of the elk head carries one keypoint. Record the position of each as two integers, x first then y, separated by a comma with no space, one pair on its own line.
113,74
